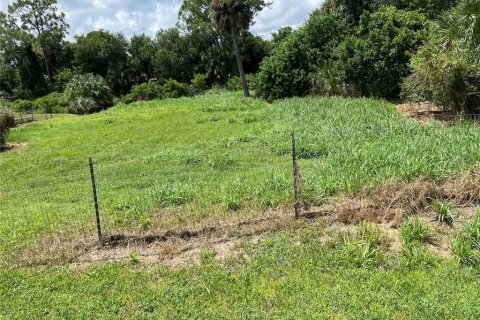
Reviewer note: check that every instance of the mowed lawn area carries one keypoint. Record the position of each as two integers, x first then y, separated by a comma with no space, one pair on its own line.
164,164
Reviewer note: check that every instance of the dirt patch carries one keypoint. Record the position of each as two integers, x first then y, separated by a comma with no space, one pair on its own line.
424,112
13,145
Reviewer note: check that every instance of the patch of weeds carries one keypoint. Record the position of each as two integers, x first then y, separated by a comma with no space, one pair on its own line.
273,189
215,119
206,257
232,121
246,139
234,194
145,223
220,161
365,247
173,193
466,245
413,232
444,211
250,119
109,121
189,159
418,256
201,121
133,258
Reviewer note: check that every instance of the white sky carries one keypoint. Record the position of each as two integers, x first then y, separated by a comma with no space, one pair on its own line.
148,16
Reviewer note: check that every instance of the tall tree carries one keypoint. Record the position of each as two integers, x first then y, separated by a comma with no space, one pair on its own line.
39,21
105,54
231,17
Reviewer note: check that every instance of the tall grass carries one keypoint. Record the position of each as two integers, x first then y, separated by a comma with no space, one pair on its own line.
150,156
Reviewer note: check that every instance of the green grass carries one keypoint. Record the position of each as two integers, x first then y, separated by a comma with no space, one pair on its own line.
164,163
218,151
284,277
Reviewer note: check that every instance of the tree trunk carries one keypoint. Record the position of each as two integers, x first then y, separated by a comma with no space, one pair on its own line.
240,64
47,66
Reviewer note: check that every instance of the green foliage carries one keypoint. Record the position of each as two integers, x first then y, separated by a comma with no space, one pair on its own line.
286,72
199,83
145,91
235,83
214,141
466,246
444,211
175,89
153,90
377,58
233,16
24,106
446,70
104,54
52,103
87,93
7,121
414,232
63,77
365,245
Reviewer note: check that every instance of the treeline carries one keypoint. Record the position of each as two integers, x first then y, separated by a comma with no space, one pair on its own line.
35,58
411,49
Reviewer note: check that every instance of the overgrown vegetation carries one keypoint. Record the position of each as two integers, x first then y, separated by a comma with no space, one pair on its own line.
466,246
7,121
87,93
447,69
214,154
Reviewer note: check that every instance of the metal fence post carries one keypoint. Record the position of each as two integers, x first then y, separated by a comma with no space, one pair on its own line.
296,178
95,200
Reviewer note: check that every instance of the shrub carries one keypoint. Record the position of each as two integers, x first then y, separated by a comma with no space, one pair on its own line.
24,106
145,91
286,72
7,121
377,58
199,83
175,89
52,103
235,83
466,246
446,70
63,77
87,93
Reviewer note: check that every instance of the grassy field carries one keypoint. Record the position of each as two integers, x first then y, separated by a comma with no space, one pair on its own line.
164,164
285,277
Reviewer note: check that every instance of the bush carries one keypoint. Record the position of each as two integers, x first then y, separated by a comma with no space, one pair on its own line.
235,83
175,89
87,93
7,121
376,59
446,70
24,106
63,77
52,103
145,91
286,72
199,83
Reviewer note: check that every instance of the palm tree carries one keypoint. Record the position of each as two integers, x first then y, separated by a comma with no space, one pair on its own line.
231,17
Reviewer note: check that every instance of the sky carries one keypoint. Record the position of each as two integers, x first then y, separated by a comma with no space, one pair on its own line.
148,16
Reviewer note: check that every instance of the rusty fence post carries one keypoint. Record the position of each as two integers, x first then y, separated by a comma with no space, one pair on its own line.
296,178
95,200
